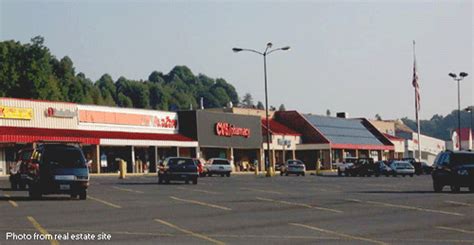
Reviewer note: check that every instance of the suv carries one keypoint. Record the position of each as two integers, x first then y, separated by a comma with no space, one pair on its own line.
455,169
58,169
19,169
363,167
178,168
220,166
293,167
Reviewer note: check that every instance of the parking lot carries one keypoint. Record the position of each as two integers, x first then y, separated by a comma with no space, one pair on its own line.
245,209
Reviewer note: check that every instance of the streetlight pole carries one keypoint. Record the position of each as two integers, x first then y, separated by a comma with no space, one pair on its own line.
264,54
462,75
470,109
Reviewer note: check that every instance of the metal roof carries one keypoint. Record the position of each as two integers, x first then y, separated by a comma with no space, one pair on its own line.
343,131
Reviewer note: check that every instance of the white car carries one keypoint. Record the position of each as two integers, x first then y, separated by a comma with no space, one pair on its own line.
219,166
402,168
342,167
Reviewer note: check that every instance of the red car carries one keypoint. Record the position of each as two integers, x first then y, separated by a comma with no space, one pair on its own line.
200,165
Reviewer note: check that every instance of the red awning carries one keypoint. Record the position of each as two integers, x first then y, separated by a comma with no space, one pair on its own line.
28,135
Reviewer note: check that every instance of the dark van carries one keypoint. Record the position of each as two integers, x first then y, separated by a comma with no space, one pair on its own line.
454,169
58,169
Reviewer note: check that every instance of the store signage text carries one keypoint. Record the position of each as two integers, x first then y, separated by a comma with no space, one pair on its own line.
128,119
16,113
229,130
62,113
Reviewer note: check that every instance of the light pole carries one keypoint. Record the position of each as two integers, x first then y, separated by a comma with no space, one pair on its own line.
462,75
264,54
470,109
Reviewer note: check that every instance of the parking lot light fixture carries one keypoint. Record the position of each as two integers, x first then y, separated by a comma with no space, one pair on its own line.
462,75
268,50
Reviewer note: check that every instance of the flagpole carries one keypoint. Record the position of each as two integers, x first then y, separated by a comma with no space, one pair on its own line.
417,105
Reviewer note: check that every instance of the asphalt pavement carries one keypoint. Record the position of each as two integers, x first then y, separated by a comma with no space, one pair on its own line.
243,209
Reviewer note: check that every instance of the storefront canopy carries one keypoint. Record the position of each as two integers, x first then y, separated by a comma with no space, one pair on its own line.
29,135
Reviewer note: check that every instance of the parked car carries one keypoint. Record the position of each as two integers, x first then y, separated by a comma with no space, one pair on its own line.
178,168
19,169
57,168
293,167
342,167
454,169
422,168
402,168
201,169
362,167
219,166
383,169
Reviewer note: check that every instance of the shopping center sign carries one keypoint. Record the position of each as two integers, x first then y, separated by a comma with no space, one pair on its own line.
229,130
61,113
16,113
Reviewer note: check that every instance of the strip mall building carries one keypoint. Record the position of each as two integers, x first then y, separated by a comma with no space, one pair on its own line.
143,137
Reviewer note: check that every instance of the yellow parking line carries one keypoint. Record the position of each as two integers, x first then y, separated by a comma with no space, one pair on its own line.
264,191
42,230
455,229
339,234
13,203
197,190
104,202
125,189
459,203
190,232
201,203
414,208
300,205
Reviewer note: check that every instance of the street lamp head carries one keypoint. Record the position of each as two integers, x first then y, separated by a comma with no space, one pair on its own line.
236,49
286,48
463,74
452,75
269,45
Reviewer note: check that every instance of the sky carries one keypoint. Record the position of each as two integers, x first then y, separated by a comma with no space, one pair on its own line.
346,56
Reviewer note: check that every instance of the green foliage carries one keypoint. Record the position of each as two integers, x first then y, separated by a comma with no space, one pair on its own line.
260,105
282,107
440,127
31,71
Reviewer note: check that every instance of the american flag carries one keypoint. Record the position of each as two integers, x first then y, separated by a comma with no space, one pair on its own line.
417,87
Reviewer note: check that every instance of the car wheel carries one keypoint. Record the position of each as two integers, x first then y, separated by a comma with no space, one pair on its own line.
411,175
186,182
471,188
34,194
209,174
22,186
303,174
14,185
377,175
286,174
386,175
455,188
195,181
73,195
281,173
394,175
167,181
437,187
228,175
403,175
339,173
83,194
160,180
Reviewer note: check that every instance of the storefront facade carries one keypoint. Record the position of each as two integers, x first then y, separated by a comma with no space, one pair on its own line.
140,137
224,135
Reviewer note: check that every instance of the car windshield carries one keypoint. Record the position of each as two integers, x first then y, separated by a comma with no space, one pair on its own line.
220,162
180,161
462,158
403,165
295,163
64,157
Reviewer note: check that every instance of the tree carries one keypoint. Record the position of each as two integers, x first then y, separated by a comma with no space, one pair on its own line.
260,106
378,117
282,107
328,113
247,101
